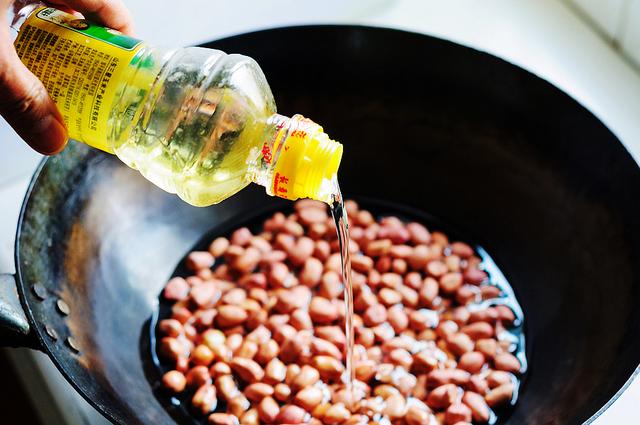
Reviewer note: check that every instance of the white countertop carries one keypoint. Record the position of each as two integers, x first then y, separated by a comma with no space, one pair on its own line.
543,36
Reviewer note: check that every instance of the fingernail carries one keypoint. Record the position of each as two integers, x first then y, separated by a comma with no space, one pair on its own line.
49,136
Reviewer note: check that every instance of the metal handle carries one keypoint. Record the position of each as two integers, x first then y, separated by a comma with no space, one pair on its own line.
14,326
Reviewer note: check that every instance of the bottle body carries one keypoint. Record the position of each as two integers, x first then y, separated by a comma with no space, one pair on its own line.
197,122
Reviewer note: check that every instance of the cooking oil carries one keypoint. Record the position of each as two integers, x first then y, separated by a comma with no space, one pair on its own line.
196,122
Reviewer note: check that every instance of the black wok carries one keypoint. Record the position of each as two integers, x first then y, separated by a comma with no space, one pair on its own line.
493,150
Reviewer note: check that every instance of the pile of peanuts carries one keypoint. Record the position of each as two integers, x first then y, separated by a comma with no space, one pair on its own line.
256,334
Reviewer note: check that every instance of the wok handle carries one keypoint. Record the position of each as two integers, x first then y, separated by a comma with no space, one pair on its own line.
14,325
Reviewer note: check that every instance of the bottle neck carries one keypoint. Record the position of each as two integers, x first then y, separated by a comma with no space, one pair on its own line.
297,159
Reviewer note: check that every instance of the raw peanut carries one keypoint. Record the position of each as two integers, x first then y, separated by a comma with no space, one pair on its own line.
174,381
499,395
397,319
250,417
292,371
383,265
308,398
293,228
312,215
365,370
478,384
400,251
489,291
453,263
205,294
241,237
385,391
461,249
182,365
413,280
275,371
222,419
248,350
235,296
226,386
170,327
322,250
302,251
329,367
391,280
467,294
261,244
507,362
219,246
238,405
279,276
474,276
259,335
383,332
230,315
322,311
247,369
247,261
419,258
336,414
460,315
364,300
311,272
439,238
424,362
479,409
378,248
361,263
291,414
459,343
213,337
198,376
234,341
396,407
334,263
199,260
429,291
330,286
176,289
498,377
401,357
399,266
457,412
505,314
389,297
472,361
282,392
219,369
257,391
478,330
436,268
320,347
420,320
439,377
300,320
409,296
305,378
397,234
268,410
416,415
443,396
204,400
364,218
172,349
418,234
450,282
267,352
487,346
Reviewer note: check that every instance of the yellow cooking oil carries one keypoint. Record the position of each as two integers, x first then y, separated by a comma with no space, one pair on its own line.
196,122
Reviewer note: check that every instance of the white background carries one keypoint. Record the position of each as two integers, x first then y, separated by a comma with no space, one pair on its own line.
552,38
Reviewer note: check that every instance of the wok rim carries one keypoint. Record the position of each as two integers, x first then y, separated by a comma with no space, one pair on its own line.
43,343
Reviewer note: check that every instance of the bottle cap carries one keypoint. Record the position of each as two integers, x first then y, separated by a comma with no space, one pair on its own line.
307,162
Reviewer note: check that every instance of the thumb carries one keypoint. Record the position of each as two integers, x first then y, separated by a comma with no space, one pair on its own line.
25,103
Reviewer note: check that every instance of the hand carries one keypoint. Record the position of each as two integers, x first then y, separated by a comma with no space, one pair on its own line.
24,102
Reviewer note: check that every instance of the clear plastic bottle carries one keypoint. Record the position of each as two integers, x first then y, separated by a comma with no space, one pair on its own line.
197,122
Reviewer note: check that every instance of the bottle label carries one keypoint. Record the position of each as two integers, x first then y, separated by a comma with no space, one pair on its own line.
80,65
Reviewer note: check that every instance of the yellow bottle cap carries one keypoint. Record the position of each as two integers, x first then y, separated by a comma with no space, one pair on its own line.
307,162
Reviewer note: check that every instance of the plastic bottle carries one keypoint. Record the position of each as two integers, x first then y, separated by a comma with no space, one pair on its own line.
197,122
